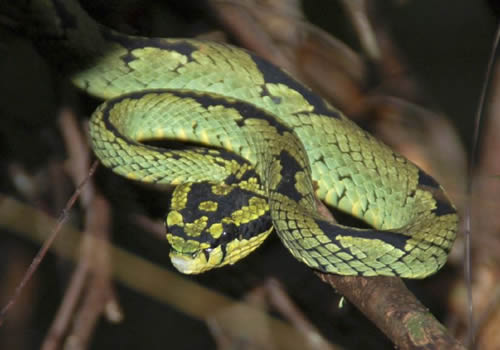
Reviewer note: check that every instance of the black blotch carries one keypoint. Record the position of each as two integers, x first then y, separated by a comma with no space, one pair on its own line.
231,179
426,180
246,109
244,231
347,219
290,167
183,47
224,155
276,99
135,42
226,205
254,227
275,75
248,174
229,233
395,239
443,207
128,57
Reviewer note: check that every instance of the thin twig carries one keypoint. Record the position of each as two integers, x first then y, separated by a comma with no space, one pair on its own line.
46,245
92,277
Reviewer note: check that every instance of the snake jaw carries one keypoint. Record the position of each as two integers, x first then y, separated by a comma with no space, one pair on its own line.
197,262
209,258
185,264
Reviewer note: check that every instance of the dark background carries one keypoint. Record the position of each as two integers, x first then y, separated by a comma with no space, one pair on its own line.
446,45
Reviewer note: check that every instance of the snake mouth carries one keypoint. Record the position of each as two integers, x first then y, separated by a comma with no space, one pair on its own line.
209,258
183,263
197,262
188,263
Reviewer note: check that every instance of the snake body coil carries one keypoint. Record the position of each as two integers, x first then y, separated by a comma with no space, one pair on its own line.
272,136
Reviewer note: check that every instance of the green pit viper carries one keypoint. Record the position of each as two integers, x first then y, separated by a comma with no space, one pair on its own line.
260,147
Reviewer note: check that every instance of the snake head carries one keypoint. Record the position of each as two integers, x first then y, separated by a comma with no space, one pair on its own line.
212,225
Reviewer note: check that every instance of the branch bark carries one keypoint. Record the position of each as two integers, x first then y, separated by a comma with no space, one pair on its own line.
392,308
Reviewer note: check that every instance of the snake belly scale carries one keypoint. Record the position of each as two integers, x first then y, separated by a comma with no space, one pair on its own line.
270,137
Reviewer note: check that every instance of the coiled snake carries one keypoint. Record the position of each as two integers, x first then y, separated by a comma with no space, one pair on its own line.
269,140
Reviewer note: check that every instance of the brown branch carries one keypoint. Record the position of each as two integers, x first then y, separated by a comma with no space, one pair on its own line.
392,308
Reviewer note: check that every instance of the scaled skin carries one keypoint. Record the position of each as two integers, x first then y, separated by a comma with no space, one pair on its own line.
415,224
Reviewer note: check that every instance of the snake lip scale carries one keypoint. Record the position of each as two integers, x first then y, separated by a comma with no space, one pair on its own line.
269,139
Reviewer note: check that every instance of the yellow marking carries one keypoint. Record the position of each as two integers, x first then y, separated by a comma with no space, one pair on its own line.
195,228
256,208
260,205
204,138
216,257
183,246
174,240
228,145
357,210
208,206
159,133
302,182
237,250
216,230
139,135
175,218
132,176
179,197
181,134
221,190
191,246
176,181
